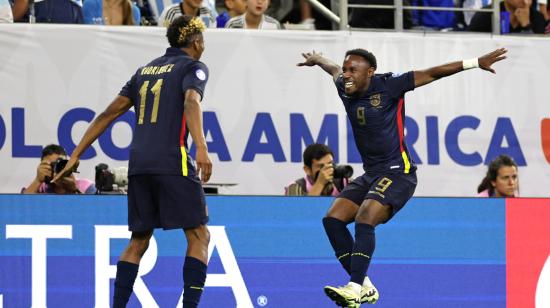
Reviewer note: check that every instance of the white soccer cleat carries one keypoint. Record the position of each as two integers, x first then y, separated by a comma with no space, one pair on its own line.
345,296
369,293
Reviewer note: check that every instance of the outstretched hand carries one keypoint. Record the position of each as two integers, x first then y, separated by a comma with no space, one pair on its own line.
311,58
487,60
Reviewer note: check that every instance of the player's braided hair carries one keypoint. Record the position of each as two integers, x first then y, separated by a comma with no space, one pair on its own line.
368,56
183,30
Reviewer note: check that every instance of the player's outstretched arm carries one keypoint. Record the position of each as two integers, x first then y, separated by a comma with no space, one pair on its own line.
193,115
313,58
119,106
484,62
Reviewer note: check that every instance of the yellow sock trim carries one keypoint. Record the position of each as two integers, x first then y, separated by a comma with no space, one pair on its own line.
344,255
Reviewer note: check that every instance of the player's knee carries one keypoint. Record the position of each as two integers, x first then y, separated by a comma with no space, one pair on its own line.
365,219
206,235
199,236
362,217
373,215
139,246
343,210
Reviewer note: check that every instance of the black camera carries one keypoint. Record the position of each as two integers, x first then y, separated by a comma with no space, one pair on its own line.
108,180
342,171
57,167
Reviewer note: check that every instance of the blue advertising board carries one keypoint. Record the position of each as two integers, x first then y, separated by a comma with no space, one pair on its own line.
60,251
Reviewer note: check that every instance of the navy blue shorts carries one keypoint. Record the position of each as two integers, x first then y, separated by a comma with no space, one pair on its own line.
393,189
165,201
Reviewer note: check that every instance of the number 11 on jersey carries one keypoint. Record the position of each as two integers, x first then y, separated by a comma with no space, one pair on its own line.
143,100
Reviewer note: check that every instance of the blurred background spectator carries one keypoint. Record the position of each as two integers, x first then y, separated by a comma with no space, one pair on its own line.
156,7
543,9
379,18
233,8
501,179
269,14
319,170
54,159
521,17
438,20
5,12
111,12
308,15
465,18
254,18
301,12
188,7
49,11
148,17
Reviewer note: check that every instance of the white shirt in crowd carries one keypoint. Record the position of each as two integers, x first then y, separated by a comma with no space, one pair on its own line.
267,23
5,12
174,11
157,6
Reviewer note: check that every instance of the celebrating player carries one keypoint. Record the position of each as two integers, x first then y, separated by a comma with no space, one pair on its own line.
164,186
375,106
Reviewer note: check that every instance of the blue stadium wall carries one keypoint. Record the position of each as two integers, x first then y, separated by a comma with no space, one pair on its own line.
437,252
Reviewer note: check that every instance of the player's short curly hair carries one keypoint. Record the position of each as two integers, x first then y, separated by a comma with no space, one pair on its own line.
367,55
184,30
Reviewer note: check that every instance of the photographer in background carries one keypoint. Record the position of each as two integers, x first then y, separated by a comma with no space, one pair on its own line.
54,159
322,178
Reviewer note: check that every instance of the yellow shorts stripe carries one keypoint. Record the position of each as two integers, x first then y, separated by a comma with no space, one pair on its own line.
406,161
184,170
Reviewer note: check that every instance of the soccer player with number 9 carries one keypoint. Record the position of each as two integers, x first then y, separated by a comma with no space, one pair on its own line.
375,104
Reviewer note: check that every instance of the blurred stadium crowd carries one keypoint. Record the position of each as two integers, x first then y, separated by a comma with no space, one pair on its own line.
517,16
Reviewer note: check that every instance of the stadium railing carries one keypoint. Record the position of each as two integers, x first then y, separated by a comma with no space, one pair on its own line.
398,7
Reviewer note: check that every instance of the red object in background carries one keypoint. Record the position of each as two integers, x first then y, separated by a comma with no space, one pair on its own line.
527,250
545,138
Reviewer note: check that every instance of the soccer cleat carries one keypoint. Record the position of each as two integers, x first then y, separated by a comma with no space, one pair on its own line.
344,296
369,293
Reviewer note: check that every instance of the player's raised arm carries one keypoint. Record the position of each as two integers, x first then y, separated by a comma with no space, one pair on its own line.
484,62
119,106
313,58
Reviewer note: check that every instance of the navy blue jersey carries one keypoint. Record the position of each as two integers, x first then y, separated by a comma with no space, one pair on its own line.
377,119
157,90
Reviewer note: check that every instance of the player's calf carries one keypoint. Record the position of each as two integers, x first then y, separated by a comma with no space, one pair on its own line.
126,274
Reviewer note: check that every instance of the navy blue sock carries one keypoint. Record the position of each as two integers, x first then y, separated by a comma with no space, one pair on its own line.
362,252
194,275
126,274
340,239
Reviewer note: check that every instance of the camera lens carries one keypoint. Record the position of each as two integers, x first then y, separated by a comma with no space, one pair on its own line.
59,165
343,171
